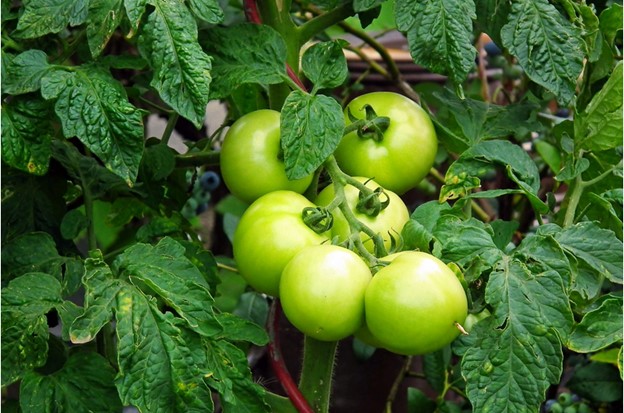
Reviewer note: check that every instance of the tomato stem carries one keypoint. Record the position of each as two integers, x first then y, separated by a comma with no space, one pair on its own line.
317,371
277,361
397,382
461,329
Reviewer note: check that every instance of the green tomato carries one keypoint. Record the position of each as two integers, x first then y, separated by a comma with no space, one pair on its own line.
269,234
322,291
250,162
413,303
389,221
405,154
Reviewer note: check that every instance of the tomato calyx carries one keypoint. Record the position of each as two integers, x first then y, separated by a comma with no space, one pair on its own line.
318,219
372,126
371,203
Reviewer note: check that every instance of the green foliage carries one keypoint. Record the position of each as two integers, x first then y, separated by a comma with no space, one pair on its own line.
524,201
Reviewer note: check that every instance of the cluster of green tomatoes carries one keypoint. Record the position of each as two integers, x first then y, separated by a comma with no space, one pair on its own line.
335,280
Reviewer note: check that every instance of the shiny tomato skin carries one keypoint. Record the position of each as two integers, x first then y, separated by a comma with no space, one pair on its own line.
405,154
413,303
249,159
322,291
269,234
389,221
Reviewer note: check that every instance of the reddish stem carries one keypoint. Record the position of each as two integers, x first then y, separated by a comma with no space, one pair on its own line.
278,365
253,16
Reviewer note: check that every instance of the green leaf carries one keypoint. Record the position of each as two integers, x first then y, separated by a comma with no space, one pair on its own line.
363,5
74,222
462,175
461,241
208,10
466,122
93,106
545,250
607,211
26,134
84,383
41,17
597,381
517,353
418,402
166,271
236,328
503,232
599,328
611,23
439,34
31,252
417,233
245,53
311,128
607,356
25,302
157,372
549,153
491,18
548,46
31,203
325,64
24,72
168,42
87,171
435,367
252,306
597,247
599,127
104,17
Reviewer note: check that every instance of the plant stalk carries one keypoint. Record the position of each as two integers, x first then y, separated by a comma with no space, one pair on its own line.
317,371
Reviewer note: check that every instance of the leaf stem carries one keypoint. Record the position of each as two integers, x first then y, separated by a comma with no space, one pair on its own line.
397,383
197,159
481,213
323,21
577,191
277,362
171,123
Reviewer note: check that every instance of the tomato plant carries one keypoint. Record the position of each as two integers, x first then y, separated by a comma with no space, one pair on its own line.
414,304
397,158
268,235
143,242
322,291
250,163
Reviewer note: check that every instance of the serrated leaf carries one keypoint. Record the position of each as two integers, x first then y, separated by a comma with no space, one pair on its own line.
41,17
599,127
548,46
135,10
435,367
74,222
168,273
461,241
517,354
492,16
104,17
310,128
252,306
208,10
24,72
439,34
94,107
598,328
545,250
157,372
25,302
362,5
84,383
32,252
463,174
418,402
597,247
474,121
597,381
245,53
168,42
26,134
611,22
417,233
239,329
31,203
325,65
87,170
